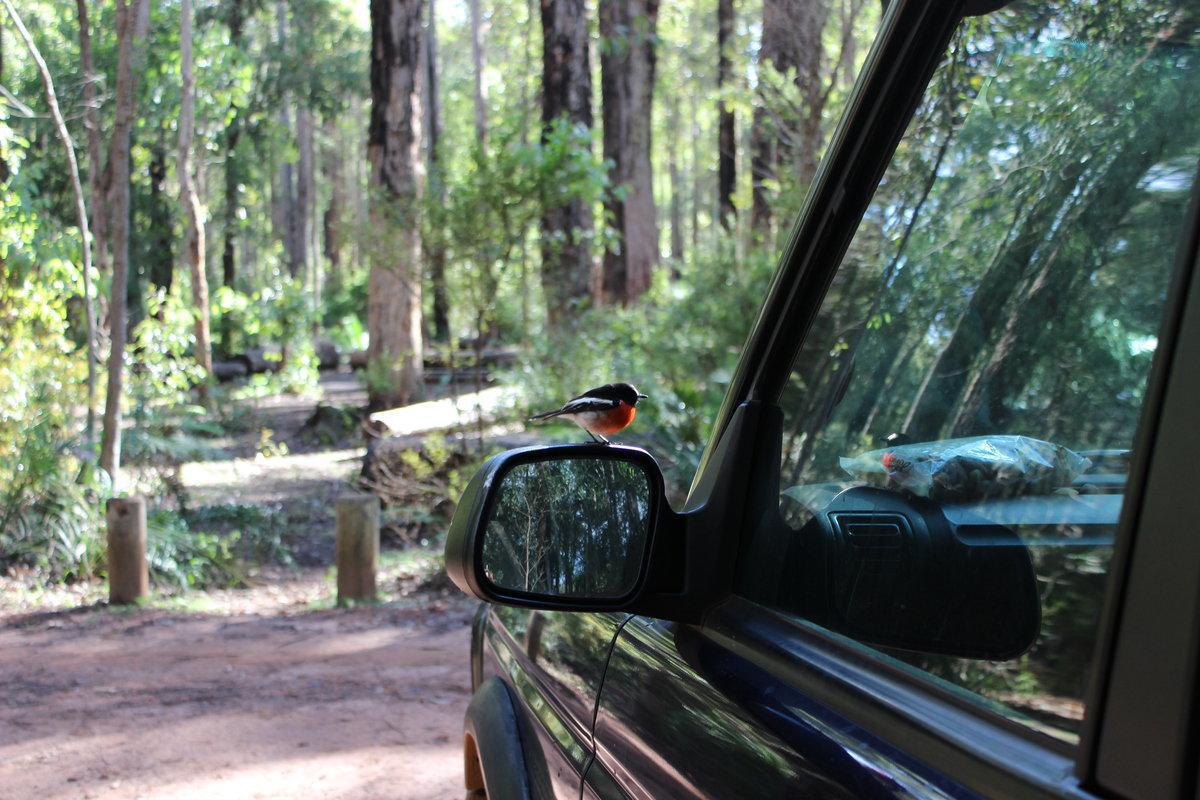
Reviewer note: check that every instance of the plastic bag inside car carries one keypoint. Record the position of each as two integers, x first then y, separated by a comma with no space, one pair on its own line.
971,468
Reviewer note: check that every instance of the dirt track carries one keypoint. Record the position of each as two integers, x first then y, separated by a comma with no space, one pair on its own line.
362,703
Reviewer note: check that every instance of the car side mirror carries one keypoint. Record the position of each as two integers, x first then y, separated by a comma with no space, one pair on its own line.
567,527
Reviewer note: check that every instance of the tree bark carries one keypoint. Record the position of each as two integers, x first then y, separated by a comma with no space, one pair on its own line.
697,172
160,254
97,186
811,25
284,205
193,212
332,161
477,70
433,124
566,94
235,20
85,245
726,137
4,171
305,189
394,290
762,170
627,59
129,16
676,181
785,141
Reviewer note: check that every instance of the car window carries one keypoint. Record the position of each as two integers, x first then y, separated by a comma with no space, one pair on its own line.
981,357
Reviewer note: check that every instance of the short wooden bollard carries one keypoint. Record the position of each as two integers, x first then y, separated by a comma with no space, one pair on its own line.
357,544
128,578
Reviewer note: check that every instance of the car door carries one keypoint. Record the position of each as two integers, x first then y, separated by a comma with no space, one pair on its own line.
971,340
553,663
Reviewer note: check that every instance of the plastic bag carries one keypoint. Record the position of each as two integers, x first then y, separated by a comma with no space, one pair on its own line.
972,468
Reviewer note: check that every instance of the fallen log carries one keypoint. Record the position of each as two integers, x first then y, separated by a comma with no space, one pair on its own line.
469,359
448,413
260,359
228,370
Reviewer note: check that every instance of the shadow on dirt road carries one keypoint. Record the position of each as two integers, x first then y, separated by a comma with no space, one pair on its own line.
359,703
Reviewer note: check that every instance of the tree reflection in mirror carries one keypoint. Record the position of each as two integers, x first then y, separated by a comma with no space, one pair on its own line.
568,528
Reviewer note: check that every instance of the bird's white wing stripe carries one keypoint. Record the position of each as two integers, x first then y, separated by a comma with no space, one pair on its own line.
581,404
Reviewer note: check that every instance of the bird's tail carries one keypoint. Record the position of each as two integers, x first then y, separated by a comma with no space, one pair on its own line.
546,414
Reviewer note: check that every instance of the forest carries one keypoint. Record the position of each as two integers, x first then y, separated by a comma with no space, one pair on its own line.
255,254
202,202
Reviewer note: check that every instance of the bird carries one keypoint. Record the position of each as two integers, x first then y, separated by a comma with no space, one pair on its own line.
601,412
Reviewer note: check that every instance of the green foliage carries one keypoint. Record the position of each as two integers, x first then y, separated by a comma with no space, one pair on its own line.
168,428
256,534
278,315
51,507
493,202
344,312
50,498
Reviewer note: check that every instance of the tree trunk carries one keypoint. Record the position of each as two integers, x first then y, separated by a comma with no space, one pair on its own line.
477,70
394,290
566,94
332,161
160,253
785,140
811,25
694,125
85,249
726,139
433,125
4,171
193,232
627,60
676,180
762,170
305,190
235,20
284,205
129,16
97,185
287,197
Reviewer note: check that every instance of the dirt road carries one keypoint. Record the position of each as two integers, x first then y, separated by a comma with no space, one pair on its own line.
354,704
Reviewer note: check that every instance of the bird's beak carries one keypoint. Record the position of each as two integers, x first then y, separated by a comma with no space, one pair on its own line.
642,396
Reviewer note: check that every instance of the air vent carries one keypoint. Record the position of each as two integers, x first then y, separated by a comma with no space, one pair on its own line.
873,537
881,540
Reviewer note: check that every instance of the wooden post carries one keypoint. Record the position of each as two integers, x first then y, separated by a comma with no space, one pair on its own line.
357,545
128,578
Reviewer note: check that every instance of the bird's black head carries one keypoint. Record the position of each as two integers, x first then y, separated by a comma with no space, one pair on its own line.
626,392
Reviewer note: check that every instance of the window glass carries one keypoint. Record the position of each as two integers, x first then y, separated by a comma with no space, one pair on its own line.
958,422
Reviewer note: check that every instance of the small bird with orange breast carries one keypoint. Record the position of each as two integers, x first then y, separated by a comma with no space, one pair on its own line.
601,412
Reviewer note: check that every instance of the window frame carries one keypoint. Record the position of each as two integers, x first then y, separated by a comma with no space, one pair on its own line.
979,748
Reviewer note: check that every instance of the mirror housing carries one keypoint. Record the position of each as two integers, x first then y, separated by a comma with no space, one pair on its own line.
474,572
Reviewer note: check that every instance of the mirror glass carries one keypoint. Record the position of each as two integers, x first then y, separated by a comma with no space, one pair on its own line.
572,527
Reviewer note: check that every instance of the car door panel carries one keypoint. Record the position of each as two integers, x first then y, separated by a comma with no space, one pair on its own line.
682,716
554,663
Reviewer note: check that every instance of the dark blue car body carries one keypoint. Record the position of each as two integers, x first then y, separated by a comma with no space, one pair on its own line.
742,701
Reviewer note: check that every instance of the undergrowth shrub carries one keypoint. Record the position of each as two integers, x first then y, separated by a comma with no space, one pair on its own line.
182,558
51,500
